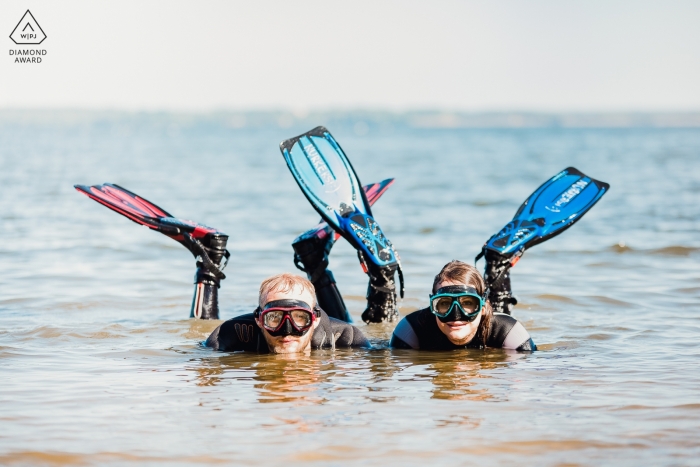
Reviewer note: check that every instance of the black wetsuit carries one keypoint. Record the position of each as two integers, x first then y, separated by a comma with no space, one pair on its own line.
419,330
242,333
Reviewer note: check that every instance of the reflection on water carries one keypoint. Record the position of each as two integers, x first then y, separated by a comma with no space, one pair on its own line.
312,379
458,380
100,365
278,378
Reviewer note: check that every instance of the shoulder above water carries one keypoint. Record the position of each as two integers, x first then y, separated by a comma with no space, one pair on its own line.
243,334
418,330
509,333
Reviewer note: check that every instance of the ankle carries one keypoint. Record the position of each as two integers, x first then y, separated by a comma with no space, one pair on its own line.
381,295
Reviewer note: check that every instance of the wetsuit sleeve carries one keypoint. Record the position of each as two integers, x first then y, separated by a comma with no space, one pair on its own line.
519,339
404,337
507,332
347,335
528,346
240,333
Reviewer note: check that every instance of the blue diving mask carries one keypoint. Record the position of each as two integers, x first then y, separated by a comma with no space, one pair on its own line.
456,303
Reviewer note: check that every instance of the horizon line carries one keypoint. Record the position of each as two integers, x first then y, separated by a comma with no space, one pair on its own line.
363,120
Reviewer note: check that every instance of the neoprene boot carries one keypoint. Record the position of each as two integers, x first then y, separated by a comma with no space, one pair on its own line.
497,278
207,279
311,256
381,294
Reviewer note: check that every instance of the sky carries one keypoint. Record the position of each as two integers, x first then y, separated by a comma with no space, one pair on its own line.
474,56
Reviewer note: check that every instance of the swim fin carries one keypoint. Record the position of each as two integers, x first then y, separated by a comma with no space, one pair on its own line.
554,207
373,192
311,250
208,245
329,182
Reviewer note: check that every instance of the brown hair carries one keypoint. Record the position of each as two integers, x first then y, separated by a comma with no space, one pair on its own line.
463,273
284,282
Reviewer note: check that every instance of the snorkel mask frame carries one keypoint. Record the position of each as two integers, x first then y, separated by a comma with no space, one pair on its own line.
455,292
287,326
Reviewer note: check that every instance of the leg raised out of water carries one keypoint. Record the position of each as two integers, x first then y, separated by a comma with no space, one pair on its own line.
497,278
311,256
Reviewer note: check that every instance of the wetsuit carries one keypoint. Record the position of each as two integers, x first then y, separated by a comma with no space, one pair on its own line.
242,333
419,330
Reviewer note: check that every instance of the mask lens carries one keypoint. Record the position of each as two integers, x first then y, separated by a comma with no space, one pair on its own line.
301,318
469,304
442,305
272,319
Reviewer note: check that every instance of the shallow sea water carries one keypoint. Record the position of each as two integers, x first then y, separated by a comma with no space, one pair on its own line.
100,364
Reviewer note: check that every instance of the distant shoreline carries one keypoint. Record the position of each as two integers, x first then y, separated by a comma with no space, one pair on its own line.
365,119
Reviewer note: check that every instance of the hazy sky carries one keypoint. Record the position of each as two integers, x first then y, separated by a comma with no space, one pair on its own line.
536,55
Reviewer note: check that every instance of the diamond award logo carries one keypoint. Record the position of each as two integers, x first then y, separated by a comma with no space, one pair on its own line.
28,31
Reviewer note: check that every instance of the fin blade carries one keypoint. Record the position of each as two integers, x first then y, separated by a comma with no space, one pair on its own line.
144,212
323,172
551,209
329,182
126,203
373,191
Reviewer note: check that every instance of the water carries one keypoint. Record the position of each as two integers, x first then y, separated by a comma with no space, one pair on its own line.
100,365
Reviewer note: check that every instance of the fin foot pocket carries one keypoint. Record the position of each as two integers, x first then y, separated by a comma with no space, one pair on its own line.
311,253
364,233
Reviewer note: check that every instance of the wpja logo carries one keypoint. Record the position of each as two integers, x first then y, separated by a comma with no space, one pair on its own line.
28,32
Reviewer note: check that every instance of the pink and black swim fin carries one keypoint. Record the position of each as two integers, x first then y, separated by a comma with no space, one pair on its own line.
208,245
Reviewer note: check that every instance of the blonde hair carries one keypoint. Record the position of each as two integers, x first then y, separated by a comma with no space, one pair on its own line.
463,273
284,282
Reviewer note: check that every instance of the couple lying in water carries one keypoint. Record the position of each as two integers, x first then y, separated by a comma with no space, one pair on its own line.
288,320
294,314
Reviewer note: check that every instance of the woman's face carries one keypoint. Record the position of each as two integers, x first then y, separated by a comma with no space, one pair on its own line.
458,332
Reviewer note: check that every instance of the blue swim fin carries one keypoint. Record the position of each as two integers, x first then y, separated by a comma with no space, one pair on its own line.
329,182
373,192
327,179
554,207
311,250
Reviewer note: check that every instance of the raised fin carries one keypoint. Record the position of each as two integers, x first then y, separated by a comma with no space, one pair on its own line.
554,207
373,191
200,240
143,212
327,179
126,203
